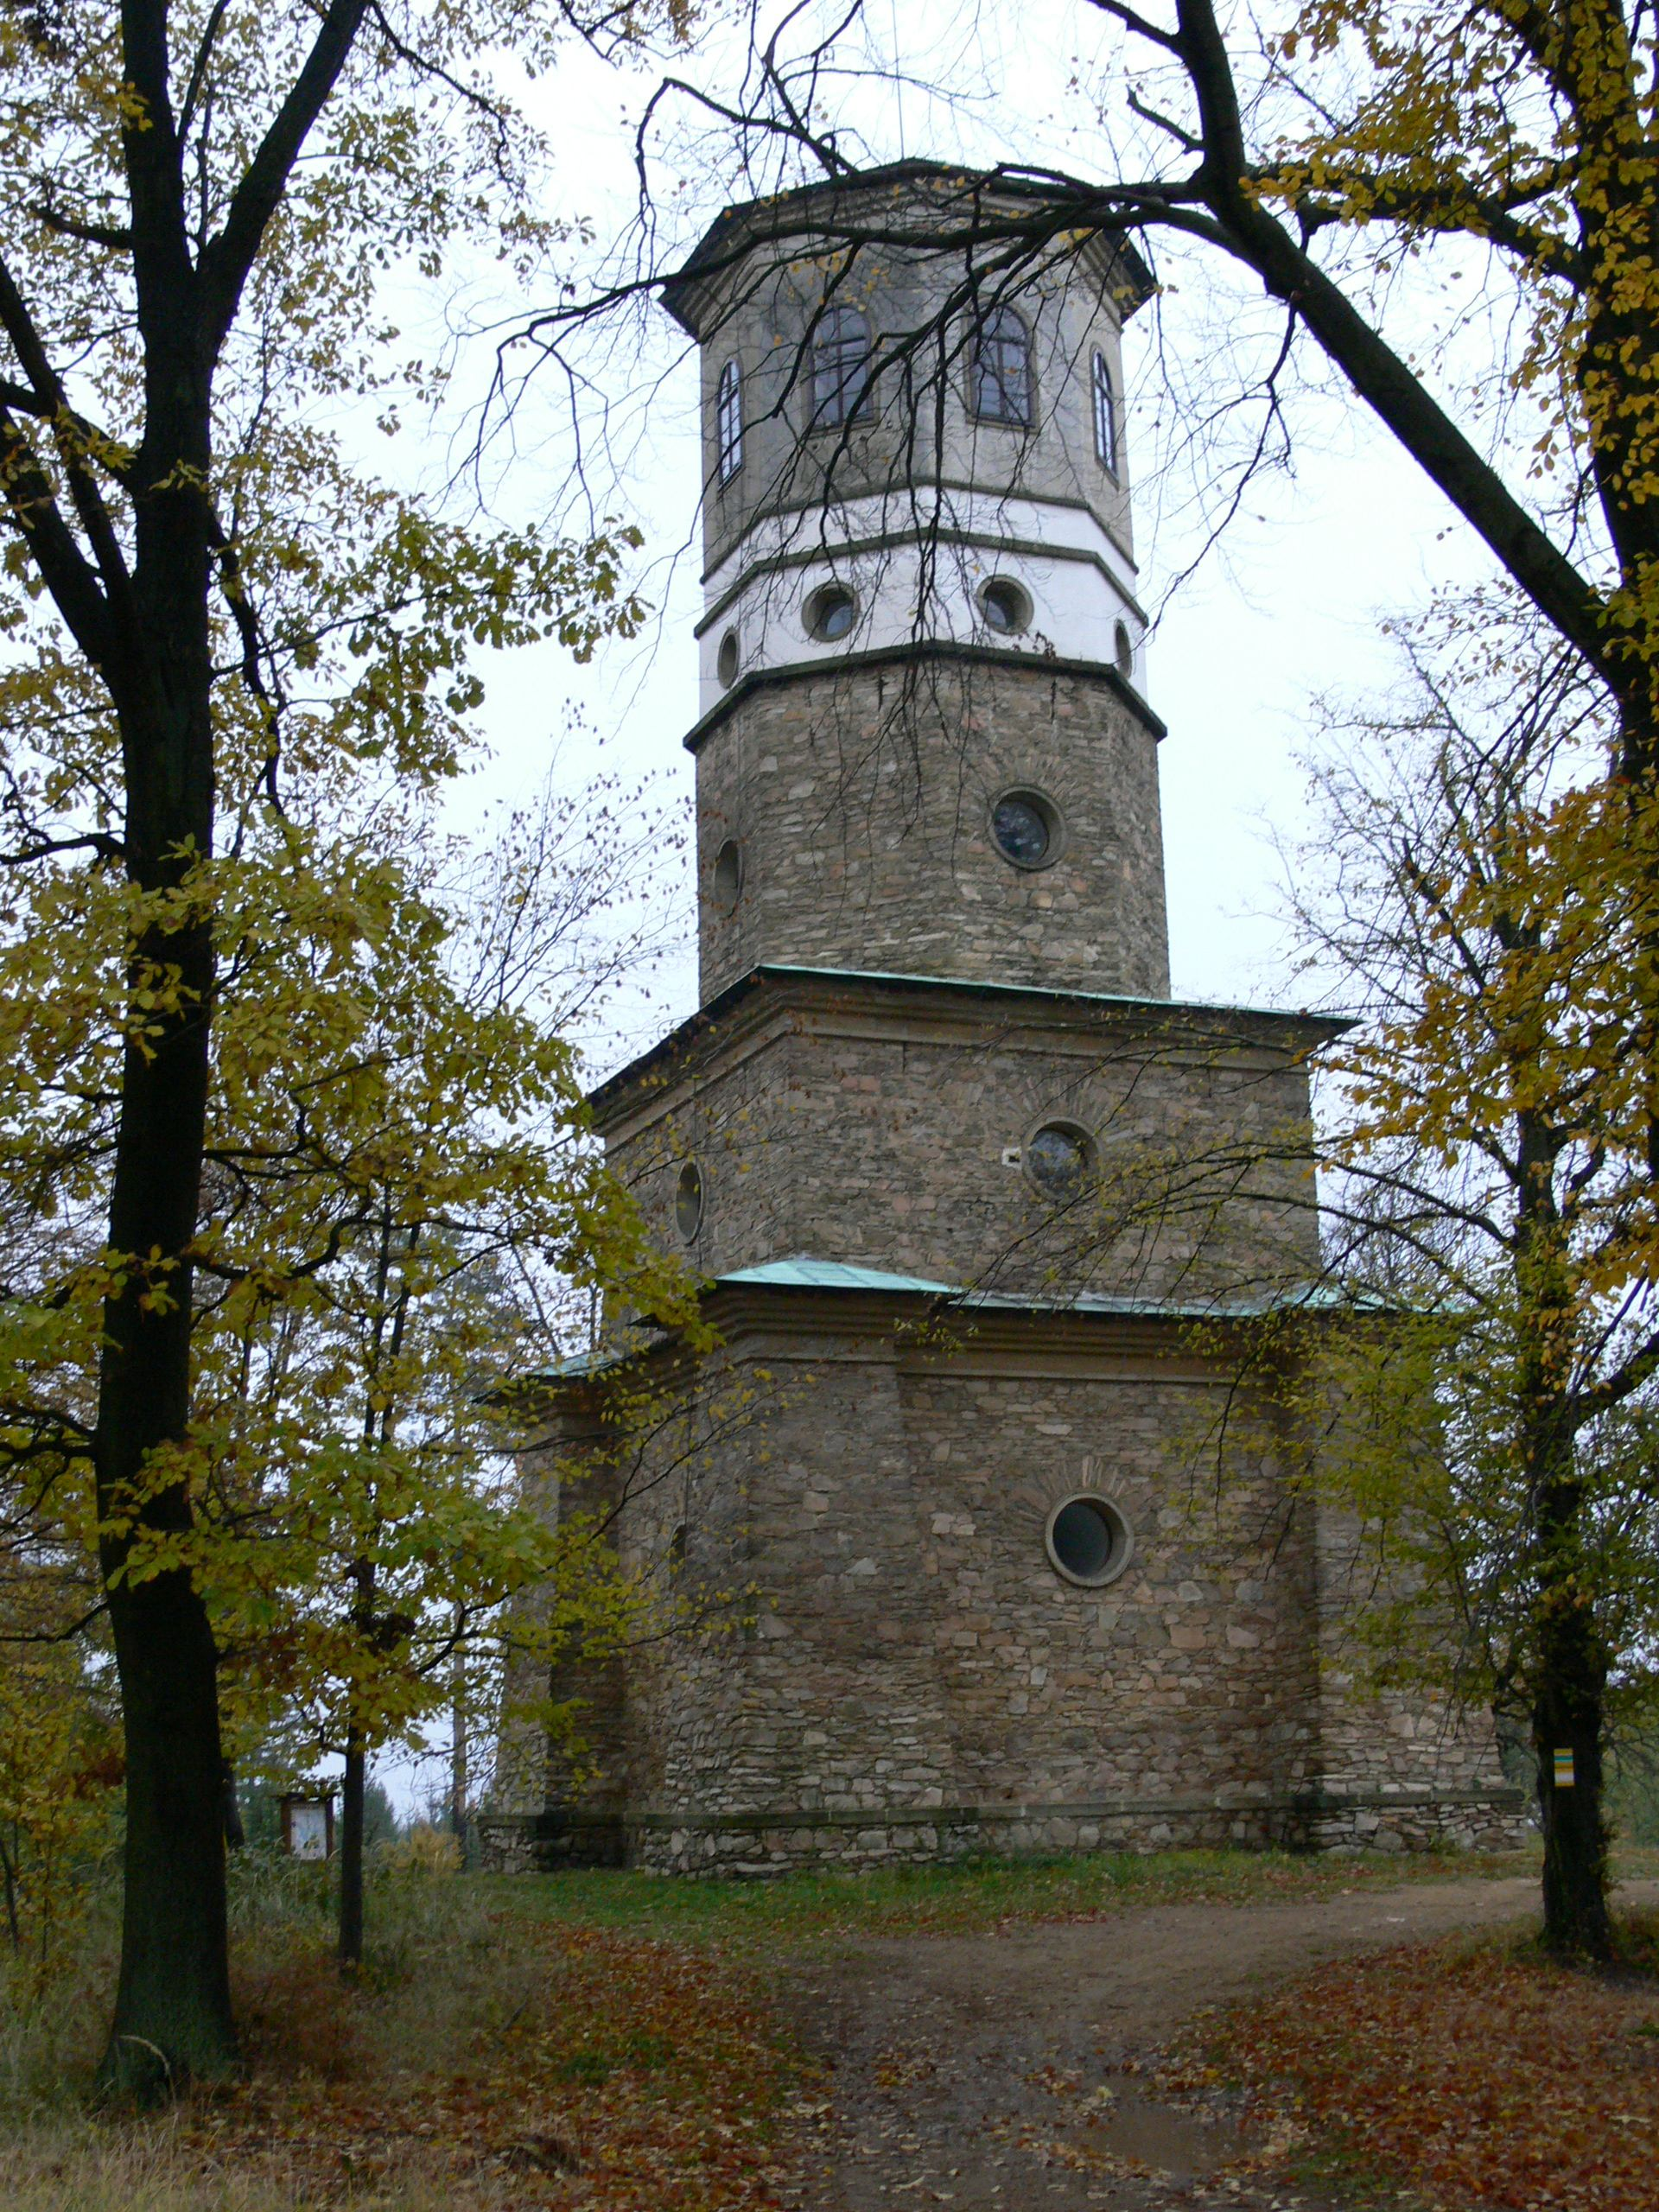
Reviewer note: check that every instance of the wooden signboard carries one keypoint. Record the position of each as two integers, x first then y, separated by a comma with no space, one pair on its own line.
308,1826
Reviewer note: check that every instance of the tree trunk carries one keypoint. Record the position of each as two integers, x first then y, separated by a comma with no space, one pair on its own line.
236,1835
458,1753
1567,1717
13,1928
173,2007
1569,1672
350,1854
173,2003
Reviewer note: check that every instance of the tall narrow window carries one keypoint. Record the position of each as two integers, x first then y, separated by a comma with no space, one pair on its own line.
728,422
1002,368
1105,415
841,365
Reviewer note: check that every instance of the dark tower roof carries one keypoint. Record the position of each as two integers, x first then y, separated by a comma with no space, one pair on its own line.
888,207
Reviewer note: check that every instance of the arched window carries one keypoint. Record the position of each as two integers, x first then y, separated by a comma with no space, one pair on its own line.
728,422
1105,414
841,365
1002,368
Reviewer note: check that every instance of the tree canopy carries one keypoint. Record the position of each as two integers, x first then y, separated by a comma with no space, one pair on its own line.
238,654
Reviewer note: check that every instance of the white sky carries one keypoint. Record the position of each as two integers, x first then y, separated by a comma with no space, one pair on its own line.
1286,610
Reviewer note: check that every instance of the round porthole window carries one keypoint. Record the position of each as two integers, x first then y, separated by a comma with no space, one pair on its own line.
1087,1540
1026,830
1123,647
830,612
727,660
688,1202
1059,1159
728,876
1005,607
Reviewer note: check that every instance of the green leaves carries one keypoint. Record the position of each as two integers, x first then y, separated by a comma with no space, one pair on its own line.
1489,1162
398,1183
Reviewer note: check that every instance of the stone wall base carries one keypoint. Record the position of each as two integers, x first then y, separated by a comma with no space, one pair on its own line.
1496,1820
752,1844
538,1843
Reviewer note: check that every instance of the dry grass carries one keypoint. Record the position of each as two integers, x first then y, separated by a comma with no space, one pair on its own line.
1478,2075
481,2063
599,2043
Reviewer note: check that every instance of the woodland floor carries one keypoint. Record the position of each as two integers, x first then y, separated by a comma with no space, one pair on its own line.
1191,2030
1029,2069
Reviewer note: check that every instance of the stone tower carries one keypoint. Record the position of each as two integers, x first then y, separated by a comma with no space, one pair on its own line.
984,1216
920,602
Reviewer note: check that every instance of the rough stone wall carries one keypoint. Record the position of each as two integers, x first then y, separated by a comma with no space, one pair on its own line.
1379,1747
819,1698
520,1782
877,1137
1188,1676
860,801
566,1472
916,1665
889,1666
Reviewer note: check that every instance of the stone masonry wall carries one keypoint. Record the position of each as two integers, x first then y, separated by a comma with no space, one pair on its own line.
889,1666
566,1473
1378,1745
860,803
876,1136
910,1675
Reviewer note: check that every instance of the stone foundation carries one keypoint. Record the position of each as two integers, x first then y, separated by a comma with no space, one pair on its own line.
786,1839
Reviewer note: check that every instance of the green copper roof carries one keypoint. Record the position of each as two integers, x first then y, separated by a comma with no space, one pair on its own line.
804,1273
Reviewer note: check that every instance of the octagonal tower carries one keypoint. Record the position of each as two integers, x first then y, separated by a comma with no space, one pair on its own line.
924,744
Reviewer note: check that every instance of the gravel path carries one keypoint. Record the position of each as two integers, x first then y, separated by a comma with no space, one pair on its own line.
985,2072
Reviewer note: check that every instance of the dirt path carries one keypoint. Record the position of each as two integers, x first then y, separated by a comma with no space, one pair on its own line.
984,2072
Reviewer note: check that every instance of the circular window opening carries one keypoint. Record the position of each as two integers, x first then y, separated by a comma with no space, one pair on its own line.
1123,646
1005,607
688,1201
1088,1541
1059,1159
727,660
728,876
830,613
1026,829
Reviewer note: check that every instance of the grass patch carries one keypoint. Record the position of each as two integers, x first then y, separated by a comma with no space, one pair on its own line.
596,2042
1476,2073
968,1897
485,2061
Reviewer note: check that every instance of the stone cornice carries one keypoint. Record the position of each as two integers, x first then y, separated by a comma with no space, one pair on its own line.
979,1333
912,652
774,998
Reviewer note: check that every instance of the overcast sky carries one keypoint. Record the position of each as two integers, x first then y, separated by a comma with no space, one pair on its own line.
1286,609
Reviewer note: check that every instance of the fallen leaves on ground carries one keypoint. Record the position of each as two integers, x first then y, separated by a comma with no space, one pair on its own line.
1480,2076
638,2077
